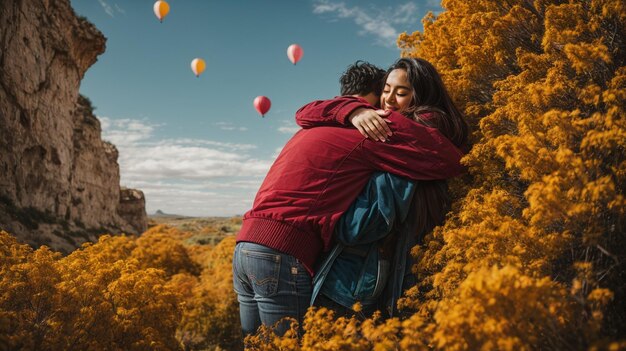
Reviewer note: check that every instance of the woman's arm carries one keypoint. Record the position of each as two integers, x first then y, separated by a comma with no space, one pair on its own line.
371,124
345,111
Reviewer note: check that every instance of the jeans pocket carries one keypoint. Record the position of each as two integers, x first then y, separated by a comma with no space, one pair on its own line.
263,270
240,284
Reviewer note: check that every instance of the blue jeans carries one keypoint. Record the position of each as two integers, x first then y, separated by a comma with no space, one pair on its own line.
270,285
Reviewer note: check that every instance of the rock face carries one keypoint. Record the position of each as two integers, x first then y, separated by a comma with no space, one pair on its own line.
58,175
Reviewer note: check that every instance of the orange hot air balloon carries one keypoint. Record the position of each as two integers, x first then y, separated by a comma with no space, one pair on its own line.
161,9
197,66
262,104
294,52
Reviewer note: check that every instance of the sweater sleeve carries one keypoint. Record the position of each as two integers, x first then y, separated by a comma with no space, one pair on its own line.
332,112
384,201
414,151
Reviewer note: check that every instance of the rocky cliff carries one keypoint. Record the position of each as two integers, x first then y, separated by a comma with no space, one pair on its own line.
59,182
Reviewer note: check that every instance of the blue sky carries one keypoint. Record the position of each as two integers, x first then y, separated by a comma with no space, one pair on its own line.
195,145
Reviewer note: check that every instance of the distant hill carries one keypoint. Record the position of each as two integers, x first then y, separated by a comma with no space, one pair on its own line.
161,214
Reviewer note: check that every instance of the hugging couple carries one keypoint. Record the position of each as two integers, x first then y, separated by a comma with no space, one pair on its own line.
348,197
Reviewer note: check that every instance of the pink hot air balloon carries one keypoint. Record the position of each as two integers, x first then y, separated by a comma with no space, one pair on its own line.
294,52
262,104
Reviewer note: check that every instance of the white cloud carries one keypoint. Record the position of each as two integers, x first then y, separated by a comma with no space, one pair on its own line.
107,8
120,10
288,127
202,142
377,23
110,10
125,131
406,14
230,126
277,152
201,199
185,176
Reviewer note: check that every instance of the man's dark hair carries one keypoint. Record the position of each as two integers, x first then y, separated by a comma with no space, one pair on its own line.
362,78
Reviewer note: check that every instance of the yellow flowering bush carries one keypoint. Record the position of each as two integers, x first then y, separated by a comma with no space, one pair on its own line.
123,293
543,82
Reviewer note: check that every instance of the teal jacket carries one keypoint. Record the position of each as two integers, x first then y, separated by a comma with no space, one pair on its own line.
354,270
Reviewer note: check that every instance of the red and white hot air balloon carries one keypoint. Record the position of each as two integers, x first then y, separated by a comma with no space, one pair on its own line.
197,66
161,9
294,52
262,104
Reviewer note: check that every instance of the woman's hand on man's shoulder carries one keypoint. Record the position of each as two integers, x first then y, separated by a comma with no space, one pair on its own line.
371,123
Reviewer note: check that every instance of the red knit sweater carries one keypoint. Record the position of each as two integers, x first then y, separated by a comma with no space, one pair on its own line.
321,170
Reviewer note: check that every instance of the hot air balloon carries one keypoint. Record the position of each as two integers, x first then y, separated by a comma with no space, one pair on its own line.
294,52
197,66
161,8
262,104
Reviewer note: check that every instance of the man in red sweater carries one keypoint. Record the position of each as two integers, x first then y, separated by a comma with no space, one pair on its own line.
316,177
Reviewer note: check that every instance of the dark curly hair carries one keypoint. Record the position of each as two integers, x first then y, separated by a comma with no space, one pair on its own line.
362,78
431,96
